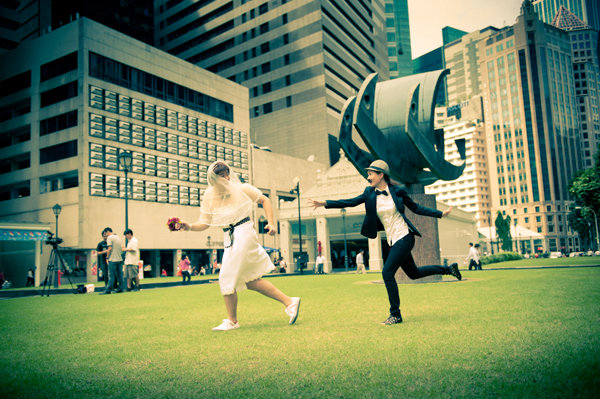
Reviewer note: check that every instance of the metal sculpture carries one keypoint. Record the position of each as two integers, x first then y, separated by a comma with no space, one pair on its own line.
394,119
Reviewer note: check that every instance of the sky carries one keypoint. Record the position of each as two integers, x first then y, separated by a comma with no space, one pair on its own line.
428,17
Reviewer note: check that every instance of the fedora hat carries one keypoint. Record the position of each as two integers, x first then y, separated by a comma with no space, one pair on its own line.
379,166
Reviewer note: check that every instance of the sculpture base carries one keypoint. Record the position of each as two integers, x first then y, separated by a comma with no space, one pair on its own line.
427,248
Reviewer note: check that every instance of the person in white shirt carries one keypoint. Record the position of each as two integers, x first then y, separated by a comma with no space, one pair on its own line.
319,264
115,261
132,258
472,257
385,203
360,262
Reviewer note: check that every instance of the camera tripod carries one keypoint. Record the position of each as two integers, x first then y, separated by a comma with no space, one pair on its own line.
56,264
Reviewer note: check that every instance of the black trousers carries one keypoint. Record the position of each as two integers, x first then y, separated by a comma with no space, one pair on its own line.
400,256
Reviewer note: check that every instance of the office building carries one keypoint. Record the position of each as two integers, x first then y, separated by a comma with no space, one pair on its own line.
532,126
25,20
584,51
398,38
586,10
471,191
435,60
461,57
300,60
72,101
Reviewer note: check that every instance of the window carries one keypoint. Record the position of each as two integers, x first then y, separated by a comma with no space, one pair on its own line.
266,67
15,83
288,80
58,94
58,67
264,28
267,108
58,152
15,190
59,182
286,38
16,109
59,122
284,19
266,87
288,101
286,59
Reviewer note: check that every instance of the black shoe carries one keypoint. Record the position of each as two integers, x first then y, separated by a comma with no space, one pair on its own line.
455,272
392,320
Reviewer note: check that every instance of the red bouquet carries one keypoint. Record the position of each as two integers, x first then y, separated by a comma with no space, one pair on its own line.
174,224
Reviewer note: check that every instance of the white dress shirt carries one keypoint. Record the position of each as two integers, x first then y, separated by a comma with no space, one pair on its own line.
393,222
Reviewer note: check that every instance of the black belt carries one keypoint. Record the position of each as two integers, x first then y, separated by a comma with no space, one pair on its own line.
232,227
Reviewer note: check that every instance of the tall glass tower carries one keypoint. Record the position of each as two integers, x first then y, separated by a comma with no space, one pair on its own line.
398,38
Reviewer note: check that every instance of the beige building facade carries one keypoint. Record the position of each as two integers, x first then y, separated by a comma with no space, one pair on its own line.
79,97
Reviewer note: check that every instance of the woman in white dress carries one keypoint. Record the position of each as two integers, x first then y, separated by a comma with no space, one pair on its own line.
227,203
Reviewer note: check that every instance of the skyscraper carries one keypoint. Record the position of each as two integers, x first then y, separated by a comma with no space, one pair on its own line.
532,125
300,59
398,38
25,20
586,10
435,60
584,45
471,191
462,59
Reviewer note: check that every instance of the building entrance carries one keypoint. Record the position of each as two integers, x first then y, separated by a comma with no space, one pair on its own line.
337,253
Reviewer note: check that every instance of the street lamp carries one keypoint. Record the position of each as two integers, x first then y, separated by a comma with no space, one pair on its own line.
56,209
296,190
345,246
490,225
595,223
517,234
125,160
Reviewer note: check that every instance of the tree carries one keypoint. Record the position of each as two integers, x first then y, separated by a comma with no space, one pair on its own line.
581,225
585,189
503,231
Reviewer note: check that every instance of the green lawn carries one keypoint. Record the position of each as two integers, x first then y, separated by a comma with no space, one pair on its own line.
546,262
497,334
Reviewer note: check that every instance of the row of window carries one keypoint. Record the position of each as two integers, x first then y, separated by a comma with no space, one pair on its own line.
62,181
58,122
114,186
134,79
144,111
103,156
16,190
128,133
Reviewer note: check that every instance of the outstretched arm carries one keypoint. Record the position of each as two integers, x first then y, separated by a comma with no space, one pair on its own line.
194,226
266,204
343,203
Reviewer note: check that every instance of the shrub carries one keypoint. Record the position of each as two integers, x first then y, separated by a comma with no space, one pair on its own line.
501,257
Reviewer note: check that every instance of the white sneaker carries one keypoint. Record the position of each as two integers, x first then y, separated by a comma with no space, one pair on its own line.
293,309
226,325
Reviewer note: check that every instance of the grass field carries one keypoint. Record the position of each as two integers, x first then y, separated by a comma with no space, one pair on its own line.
500,333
